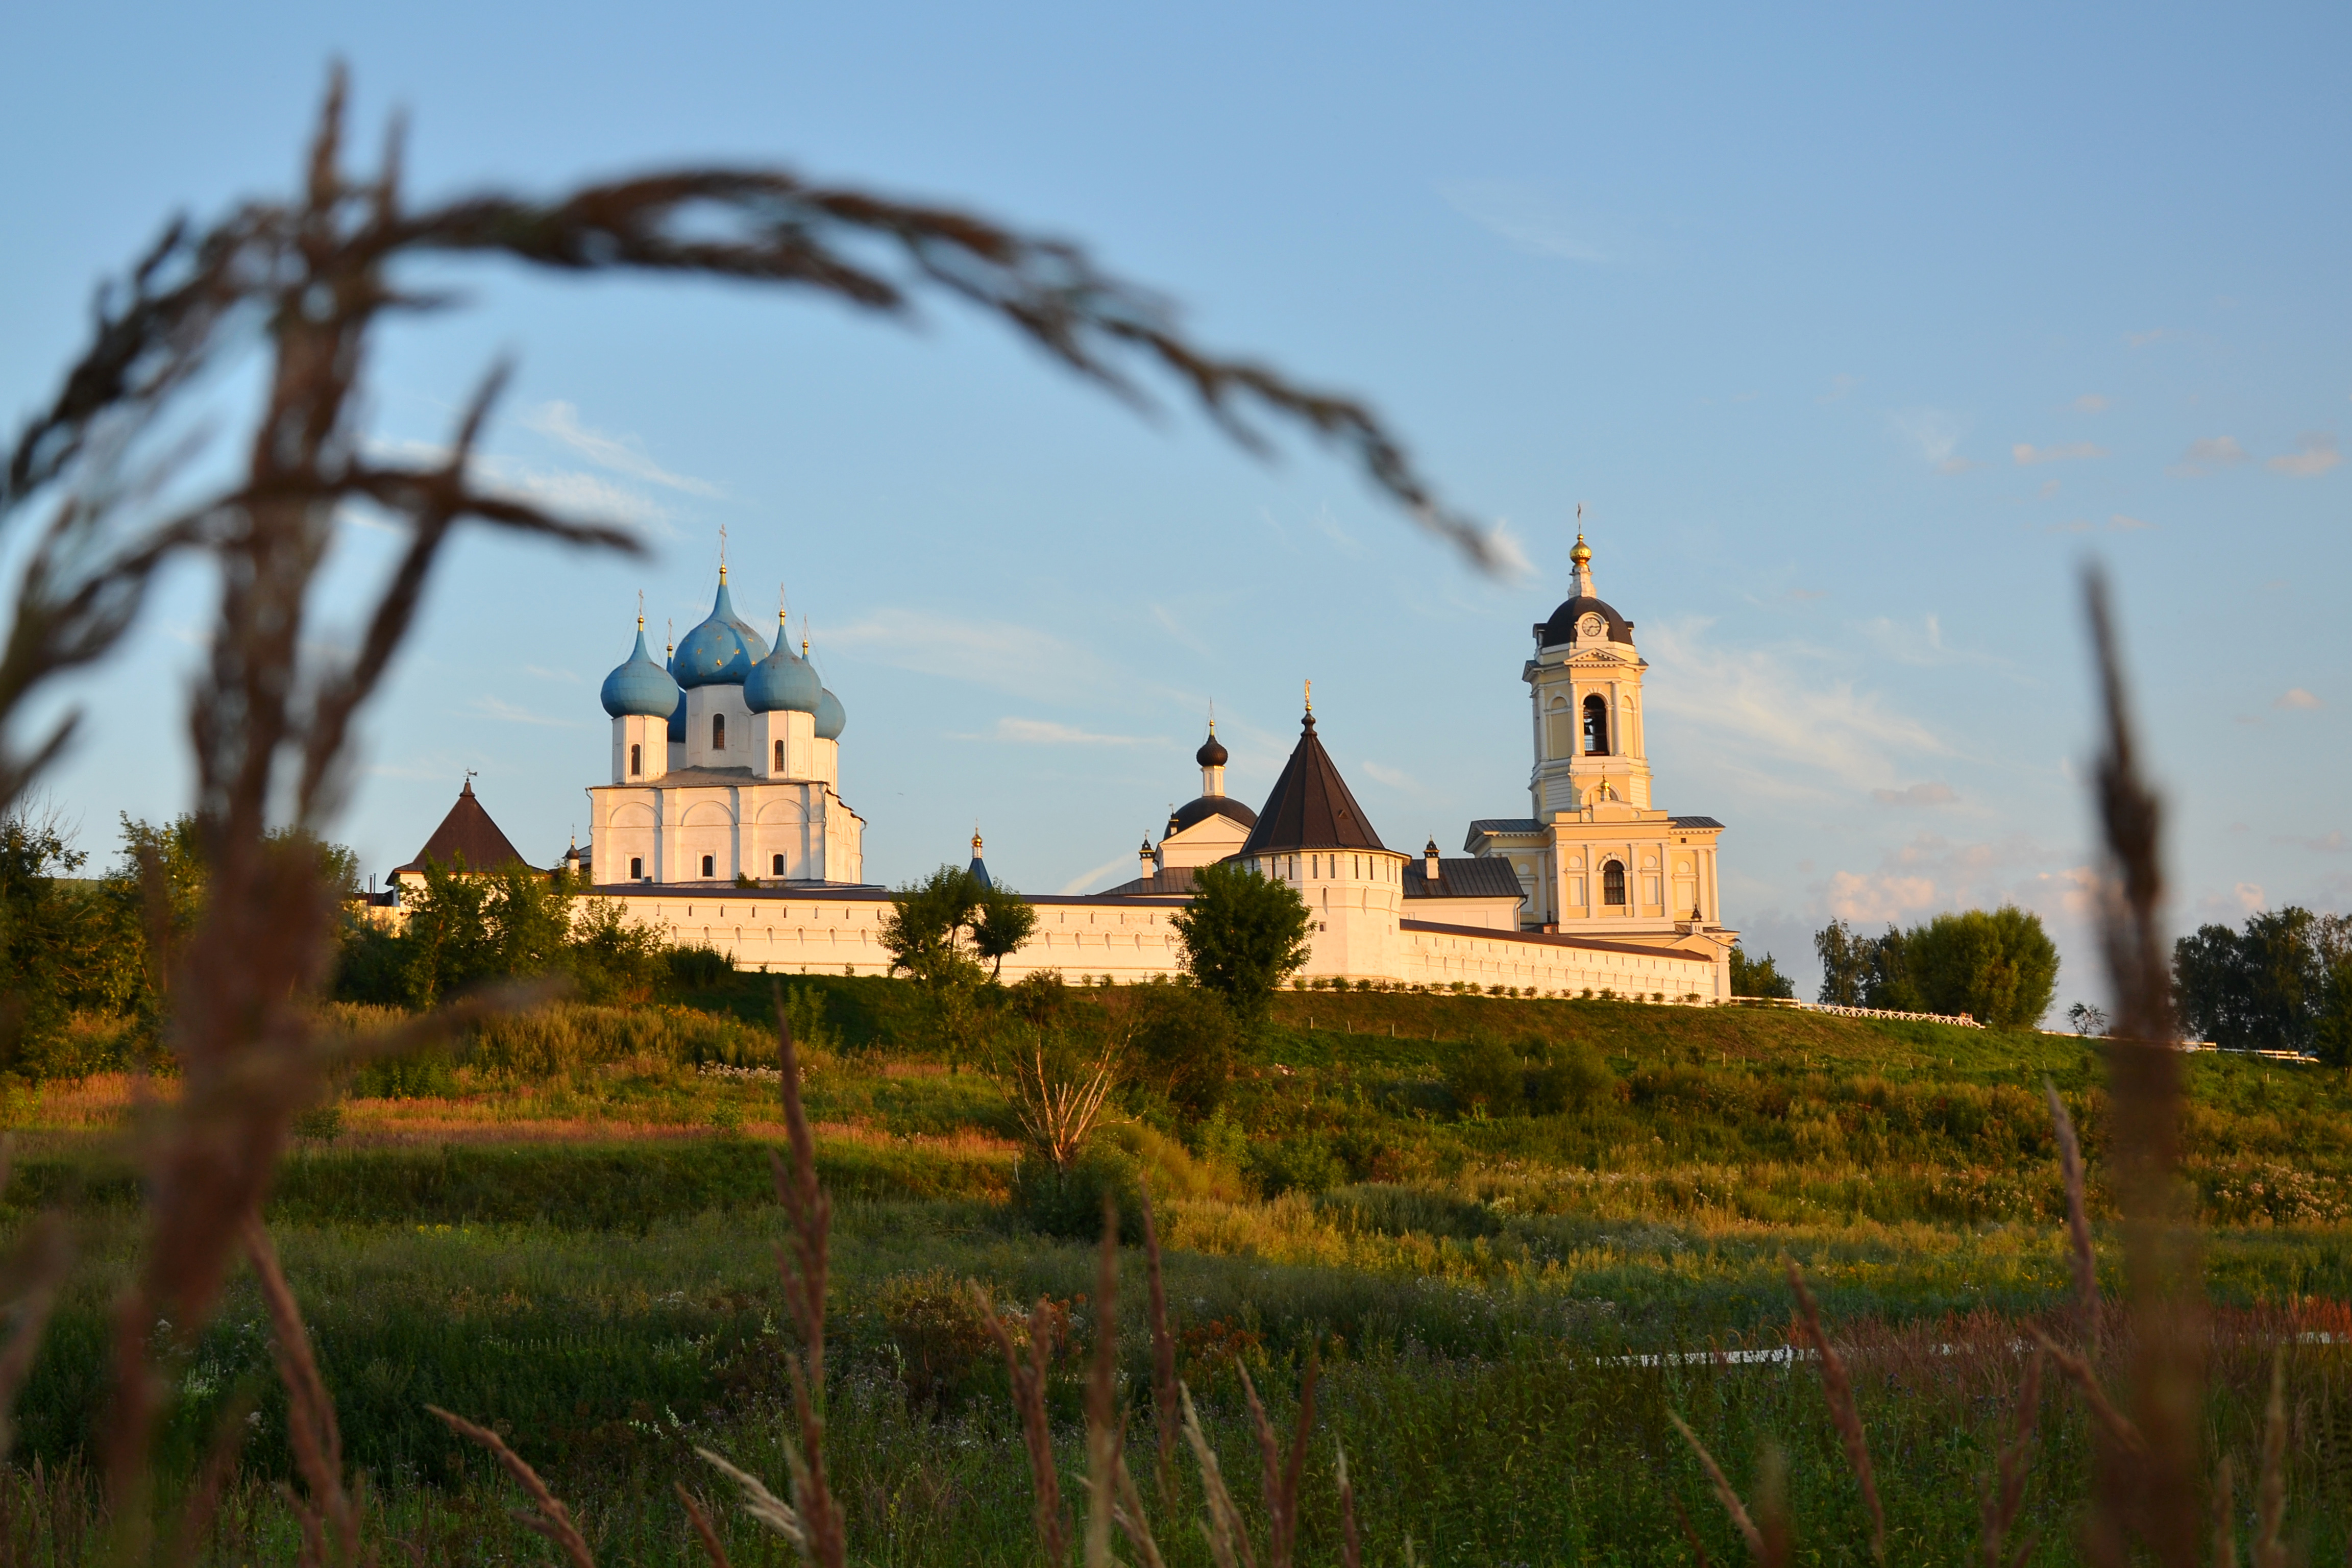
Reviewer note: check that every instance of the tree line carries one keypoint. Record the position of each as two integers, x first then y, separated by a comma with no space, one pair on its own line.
2283,983
86,961
1998,966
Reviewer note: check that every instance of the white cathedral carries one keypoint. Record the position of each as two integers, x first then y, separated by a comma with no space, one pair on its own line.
723,824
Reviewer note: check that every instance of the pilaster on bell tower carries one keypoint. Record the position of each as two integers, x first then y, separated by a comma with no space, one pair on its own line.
1585,684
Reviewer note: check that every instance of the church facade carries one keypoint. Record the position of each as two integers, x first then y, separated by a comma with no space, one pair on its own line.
723,824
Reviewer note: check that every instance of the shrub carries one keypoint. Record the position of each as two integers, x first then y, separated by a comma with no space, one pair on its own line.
1069,1203
944,1350
1304,1162
1573,1079
1486,1076
2000,967
700,968
1182,1045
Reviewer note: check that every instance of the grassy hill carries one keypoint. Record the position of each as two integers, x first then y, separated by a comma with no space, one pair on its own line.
565,1227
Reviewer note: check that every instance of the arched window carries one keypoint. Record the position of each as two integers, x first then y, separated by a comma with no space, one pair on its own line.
637,868
1596,725
1559,729
1613,881
780,756
779,861
709,862
636,759
718,737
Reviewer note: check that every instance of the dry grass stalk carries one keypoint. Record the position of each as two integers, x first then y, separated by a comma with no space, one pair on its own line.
553,1520
1028,1380
806,1268
765,1506
2149,1491
1723,1491
1164,1401
2119,1428
1699,1558
2270,1500
2225,1526
1282,1471
310,1426
2078,1222
203,1502
1839,1386
1103,1446
2012,1468
704,1530
1228,1538
1134,1522
1351,1548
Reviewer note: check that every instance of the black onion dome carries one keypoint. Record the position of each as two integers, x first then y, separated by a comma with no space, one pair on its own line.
1561,627
1196,812
1212,754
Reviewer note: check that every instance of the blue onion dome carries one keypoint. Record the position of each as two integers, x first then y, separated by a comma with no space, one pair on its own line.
721,650
781,683
641,686
831,718
678,720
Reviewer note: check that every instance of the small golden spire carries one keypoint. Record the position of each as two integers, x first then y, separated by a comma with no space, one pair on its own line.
975,840
722,554
1310,697
641,609
803,649
1582,553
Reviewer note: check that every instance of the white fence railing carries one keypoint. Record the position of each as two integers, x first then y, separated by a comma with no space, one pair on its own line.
1961,1019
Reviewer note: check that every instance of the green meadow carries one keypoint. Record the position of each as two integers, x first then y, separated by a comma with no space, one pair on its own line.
564,1228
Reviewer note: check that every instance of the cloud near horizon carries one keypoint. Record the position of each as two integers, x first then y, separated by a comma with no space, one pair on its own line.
2027,454
624,455
2314,453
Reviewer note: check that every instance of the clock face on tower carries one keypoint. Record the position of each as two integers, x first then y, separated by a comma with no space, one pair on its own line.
1590,626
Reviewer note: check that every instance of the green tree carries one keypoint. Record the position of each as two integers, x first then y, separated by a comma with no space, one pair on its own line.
1998,966
1244,935
1001,921
2271,986
1758,977
928,934
1845,965
466,928
39,929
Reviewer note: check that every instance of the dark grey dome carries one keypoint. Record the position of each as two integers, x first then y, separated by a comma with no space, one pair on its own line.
1212,754
1207,806
1561,627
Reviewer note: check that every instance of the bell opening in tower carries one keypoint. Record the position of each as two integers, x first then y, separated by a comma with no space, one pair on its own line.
1596,726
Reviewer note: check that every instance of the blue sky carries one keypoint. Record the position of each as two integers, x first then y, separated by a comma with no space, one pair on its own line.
1857,330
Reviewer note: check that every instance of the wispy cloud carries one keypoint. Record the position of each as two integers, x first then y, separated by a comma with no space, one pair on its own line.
2027,454
573,492
2153,335
1532,220
1934,434
2314,453
2092,403
1778,707
1086,882
623,454
1017,659
1916,795
1840,386
2295,697
2123,525
2326,844
563,677
1395,778
1046,733
2210,453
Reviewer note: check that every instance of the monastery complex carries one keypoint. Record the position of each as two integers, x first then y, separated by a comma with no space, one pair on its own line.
723,824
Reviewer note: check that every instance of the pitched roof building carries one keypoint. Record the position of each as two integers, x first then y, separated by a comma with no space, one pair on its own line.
466,838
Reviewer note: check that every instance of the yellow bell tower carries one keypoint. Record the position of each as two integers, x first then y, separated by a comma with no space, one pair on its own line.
1585,681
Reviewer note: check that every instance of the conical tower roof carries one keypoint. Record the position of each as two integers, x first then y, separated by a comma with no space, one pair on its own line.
467,831
1310,808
